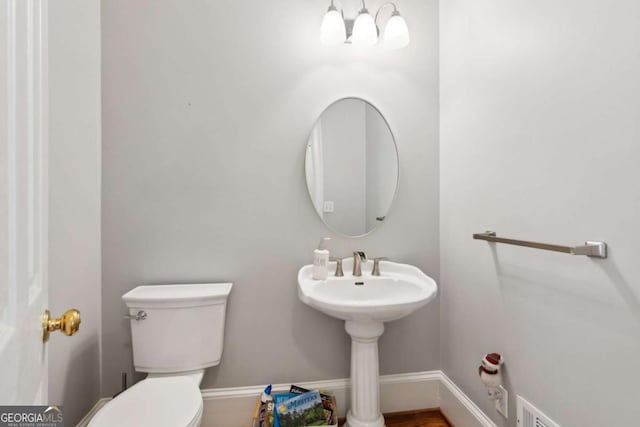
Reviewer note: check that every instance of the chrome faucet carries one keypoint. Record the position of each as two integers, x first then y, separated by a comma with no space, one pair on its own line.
358,257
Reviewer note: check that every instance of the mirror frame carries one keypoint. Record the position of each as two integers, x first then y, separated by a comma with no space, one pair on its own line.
397,151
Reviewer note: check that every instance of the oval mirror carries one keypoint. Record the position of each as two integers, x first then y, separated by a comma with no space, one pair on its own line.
351,167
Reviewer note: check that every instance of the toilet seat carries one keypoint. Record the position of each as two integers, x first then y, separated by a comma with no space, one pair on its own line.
154,402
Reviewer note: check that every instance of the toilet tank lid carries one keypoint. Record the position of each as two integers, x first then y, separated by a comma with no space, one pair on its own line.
172,295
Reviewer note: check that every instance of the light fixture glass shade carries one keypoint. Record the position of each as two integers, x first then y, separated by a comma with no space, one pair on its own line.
365,33
332,30
396,33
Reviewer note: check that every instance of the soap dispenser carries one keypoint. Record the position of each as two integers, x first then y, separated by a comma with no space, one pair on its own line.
321,260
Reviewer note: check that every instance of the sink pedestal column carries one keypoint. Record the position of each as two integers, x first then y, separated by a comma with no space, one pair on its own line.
365,388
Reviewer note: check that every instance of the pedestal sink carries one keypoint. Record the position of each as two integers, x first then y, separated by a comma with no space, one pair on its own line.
365,303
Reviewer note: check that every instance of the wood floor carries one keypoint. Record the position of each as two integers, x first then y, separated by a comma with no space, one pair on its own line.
420,418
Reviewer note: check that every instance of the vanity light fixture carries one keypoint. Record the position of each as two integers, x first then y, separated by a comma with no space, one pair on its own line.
365,32
364,29
333,30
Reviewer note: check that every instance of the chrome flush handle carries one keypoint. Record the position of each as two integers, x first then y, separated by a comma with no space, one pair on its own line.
141,315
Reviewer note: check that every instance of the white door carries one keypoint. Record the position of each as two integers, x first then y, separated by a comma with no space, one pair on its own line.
23,200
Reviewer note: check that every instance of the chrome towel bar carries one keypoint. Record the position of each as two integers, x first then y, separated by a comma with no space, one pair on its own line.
591,249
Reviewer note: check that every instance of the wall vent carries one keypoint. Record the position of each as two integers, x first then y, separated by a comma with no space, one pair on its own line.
530,416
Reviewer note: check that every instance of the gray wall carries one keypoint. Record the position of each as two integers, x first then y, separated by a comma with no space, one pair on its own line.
344,146
74,201
207,106
540,140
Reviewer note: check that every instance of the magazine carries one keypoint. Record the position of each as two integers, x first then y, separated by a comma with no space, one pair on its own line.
279,399
303,410
328,401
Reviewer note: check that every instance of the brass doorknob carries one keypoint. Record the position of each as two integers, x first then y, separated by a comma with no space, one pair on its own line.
68,324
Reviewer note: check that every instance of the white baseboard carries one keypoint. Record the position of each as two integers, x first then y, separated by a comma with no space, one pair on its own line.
233,406
457,406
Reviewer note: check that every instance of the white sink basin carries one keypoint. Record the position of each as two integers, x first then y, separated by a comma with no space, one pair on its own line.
400,290
364,303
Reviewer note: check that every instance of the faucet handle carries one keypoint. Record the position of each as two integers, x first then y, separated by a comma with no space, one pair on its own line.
376,265
338,261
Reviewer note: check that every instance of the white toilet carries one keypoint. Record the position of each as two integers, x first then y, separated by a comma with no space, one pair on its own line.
177,331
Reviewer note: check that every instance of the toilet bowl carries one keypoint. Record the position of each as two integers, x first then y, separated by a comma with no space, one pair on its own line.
177,331
171,401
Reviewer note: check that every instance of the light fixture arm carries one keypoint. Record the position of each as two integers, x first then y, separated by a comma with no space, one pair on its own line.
332,6
395,10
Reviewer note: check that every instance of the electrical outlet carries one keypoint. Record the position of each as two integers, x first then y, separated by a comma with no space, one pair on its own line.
502,404
327,206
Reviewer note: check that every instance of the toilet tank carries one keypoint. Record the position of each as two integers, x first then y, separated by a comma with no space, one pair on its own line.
183,329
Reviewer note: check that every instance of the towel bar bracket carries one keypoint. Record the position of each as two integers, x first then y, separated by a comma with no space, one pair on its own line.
592,249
